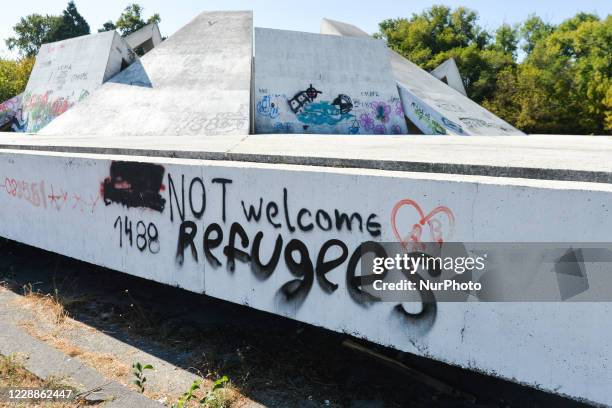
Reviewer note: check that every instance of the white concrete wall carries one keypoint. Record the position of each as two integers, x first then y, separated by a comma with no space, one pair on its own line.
66,72
352,90
70,204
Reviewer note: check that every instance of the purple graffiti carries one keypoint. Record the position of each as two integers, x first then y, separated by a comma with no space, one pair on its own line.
382,111
366,121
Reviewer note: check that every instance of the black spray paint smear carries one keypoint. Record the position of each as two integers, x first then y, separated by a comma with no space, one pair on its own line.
135,184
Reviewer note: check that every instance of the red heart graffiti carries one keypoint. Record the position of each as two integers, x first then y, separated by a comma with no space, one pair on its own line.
435,226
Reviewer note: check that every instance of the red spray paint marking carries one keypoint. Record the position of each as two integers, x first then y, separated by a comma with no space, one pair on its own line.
435,226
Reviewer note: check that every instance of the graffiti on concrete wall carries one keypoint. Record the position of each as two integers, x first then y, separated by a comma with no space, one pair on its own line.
435,226
48,196
311,110
213,124
135,184
435,127
11,113
218,228
40,109
254,236
475,123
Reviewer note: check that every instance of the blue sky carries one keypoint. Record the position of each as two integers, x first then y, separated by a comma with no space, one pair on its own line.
300,16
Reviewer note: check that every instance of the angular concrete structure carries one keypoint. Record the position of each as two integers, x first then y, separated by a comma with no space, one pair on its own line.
197,82
448,72
66,72
434,107
310,83
147,38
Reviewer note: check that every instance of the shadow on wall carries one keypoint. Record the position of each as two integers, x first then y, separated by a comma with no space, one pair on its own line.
135,75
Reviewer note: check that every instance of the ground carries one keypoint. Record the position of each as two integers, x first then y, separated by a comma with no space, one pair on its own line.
109,320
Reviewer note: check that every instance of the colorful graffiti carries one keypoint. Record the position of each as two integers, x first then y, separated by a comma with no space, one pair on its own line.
436,128
40,109
10,111
309,112
322,113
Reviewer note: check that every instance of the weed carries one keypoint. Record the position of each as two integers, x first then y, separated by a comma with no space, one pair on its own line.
219,396
188,395
139,377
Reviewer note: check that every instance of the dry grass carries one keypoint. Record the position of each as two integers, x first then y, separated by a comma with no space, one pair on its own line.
104,363
46,306
13,374
50,323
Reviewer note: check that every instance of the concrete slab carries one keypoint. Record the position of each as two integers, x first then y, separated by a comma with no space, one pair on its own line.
66,72
552,157
197,82
434,107
312,83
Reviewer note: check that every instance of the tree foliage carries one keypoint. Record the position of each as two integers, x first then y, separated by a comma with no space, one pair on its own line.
130,21
35,30
563,85
14,76
439,33
540,77
73,24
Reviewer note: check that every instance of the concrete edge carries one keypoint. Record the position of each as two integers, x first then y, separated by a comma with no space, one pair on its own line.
391,165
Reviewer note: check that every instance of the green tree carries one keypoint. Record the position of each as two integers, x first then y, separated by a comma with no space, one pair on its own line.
14,77
438,33
131,20
108,26
506,39
563,85
73,24
532,31
436,30
35,30
31,32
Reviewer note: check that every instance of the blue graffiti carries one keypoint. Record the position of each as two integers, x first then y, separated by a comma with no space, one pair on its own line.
267,108
354,128
283,127
322,113
453,126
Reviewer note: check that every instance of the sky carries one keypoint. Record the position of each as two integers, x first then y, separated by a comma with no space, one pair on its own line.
299,16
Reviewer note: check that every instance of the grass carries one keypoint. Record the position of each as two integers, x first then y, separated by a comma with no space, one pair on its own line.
14,374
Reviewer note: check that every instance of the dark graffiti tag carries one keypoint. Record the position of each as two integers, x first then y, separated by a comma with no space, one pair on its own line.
220,244
146,236
135,184
303,98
